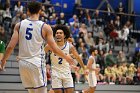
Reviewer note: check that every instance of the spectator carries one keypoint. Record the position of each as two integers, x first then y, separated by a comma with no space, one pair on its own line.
81,16
18,7
137,77
51,10
75,31
96,20
121,57
83,29
117,23
108,15
73,20
61,19
52,21
101,60
99,75
121,73
130,73
3,35
121,10
89,39
124,37
2,50
109,76
87,18
15,20
7,17
83,52
109,59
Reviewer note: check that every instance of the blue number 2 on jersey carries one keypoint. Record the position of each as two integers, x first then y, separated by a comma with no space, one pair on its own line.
60,60
28,33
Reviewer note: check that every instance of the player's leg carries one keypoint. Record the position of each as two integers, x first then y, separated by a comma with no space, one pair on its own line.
69,90
51,91
57,82
68,84
41,90
31,90
92,80
32,76
57,90
92,89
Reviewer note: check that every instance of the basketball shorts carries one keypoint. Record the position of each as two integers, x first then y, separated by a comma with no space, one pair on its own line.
32,76
62,80
92,79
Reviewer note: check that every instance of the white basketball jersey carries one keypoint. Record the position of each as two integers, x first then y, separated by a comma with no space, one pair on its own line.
59,64
94,63
31,43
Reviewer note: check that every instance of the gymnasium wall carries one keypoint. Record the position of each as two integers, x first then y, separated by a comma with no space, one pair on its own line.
137,11
93,4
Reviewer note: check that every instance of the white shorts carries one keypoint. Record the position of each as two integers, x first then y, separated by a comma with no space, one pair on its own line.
92,79
32,76
61,80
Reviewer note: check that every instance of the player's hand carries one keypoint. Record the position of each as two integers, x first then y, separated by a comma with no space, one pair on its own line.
70,60
2,66
74,67
86,72
17,58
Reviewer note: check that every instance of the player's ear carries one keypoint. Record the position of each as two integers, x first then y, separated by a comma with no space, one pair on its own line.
40,12
28,13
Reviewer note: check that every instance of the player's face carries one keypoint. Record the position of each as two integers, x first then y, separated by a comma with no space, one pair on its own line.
59,36
95,52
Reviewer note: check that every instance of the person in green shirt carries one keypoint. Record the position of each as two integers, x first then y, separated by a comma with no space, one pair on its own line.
2,49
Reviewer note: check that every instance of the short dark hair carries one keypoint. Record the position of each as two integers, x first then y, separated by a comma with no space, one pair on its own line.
64,28
92,49
34,7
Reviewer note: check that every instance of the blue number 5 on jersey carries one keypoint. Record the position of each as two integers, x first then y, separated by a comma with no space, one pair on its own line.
28,33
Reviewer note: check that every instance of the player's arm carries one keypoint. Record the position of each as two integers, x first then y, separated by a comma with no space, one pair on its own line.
47,48
11,45
48,34
77,57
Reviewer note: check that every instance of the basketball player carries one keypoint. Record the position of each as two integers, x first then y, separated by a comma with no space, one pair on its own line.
31,34
91,65
61,71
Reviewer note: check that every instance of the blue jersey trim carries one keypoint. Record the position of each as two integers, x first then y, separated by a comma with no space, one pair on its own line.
42,70
41,31
32,20
56,88
64,46
68,87
35,87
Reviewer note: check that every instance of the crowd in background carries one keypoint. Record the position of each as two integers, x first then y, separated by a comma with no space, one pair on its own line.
88,29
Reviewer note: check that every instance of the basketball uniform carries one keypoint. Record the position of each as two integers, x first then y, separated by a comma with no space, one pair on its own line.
61,71
92,79
32,66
